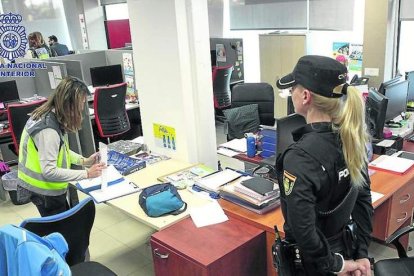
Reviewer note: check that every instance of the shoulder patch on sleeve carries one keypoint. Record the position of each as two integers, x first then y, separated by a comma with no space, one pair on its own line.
288,182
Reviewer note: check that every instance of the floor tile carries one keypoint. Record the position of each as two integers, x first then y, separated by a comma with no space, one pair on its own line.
102,244
147,270
123,261
130,232
107,216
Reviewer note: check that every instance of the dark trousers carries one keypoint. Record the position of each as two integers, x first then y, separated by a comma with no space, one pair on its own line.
49,205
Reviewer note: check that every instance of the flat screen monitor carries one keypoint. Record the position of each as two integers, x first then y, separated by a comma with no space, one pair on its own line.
409,76
8,92
383,85
106,75
397,99
284,128
375,109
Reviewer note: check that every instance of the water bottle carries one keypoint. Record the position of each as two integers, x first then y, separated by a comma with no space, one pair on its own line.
251,146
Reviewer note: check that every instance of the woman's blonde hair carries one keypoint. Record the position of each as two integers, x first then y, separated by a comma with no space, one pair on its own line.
348,118
67,102
38,37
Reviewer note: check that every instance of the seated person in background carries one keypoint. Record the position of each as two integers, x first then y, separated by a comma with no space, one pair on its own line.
38,47
60,49
45,159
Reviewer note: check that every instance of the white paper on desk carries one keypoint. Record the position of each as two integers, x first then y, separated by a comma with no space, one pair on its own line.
112,173
392,163
227,152
375,196
212,182
239,145
208,214
114,191
386,143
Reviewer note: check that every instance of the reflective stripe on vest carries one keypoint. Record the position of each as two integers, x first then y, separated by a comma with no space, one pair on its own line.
29,169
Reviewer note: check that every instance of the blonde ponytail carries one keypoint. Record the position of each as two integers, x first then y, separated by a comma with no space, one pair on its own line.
348,118
353,131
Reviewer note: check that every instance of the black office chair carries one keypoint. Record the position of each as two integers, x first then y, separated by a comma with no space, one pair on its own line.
18,114
221,89
256,93
75,226
402,266
110,113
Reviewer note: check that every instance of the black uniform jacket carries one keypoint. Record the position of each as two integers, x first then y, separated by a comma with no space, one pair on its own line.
313,177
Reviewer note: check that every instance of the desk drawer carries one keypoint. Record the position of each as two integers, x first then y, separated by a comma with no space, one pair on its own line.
401,207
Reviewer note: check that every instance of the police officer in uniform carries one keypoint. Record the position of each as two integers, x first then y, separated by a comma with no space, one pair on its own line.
323,176
45,159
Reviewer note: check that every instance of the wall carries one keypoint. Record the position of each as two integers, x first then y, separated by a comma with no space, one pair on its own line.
375,38
94,19
72,10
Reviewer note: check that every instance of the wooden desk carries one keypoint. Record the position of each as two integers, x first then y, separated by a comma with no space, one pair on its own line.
391,212
229,248
147,177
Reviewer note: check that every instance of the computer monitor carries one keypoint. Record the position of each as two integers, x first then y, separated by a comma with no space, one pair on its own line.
284,128
375,109
106,75
397,99
409,76
383,85
9,92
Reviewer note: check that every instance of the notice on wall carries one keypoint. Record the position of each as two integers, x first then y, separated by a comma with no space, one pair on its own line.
85,41
165,136
350,55
221,53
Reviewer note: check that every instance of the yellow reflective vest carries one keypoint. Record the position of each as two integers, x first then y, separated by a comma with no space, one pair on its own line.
29,169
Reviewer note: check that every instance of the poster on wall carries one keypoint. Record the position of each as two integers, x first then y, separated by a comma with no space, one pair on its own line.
350,55
221,53
128,67
355,59
165,136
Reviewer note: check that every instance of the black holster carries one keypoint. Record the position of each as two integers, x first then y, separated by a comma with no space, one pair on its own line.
288,260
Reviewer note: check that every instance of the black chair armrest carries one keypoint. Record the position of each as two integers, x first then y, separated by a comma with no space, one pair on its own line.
394,239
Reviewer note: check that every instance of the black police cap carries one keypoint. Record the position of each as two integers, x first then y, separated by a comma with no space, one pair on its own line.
318,74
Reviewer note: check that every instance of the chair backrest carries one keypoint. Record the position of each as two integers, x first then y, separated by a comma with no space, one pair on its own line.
110,113
74,224
18,114
221,86
256,93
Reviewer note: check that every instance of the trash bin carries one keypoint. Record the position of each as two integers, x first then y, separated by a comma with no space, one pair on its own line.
9,181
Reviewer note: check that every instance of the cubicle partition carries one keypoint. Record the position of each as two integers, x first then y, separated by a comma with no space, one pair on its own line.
87,60
47,79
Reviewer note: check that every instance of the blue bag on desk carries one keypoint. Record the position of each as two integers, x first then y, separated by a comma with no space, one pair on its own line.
161,199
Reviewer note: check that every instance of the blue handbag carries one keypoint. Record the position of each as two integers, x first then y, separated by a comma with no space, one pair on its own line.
161,199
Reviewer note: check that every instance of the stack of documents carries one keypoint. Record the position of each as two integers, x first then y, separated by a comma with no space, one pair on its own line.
117,186
256,194
213,182
233,147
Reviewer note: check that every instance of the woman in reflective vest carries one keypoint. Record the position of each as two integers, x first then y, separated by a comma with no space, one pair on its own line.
44,156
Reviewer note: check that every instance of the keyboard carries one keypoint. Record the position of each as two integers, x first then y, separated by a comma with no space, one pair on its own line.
410,137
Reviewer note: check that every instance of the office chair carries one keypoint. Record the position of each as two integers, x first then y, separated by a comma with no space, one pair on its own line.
18,114
256,93
75,226
110,113
221,89
401,266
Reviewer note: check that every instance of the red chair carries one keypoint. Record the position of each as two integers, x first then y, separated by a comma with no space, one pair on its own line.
18,114
221,88
110,113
